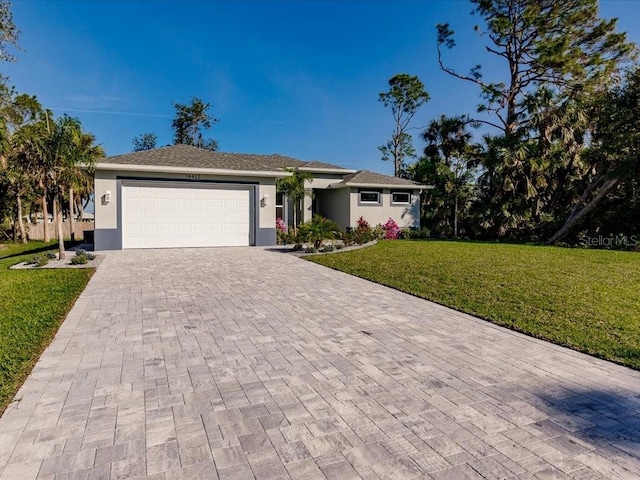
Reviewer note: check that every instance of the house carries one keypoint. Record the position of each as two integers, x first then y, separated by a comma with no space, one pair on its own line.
184,196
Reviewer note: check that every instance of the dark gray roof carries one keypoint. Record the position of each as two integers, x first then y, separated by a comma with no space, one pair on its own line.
193,157
322,166
188,156
365,177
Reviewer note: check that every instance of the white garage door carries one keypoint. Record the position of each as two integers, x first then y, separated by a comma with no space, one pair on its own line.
164,216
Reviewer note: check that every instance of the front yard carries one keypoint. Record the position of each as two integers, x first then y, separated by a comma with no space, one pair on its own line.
588,300
33,303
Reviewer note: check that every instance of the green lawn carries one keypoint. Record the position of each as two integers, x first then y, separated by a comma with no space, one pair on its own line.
588,300
33,303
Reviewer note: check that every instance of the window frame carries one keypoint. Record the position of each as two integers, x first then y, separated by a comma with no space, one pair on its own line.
367,202
401,192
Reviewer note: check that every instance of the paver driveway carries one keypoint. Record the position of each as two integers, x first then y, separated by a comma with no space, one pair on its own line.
244,362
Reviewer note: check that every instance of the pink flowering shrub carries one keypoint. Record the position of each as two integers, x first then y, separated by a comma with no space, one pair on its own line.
391,229
285,235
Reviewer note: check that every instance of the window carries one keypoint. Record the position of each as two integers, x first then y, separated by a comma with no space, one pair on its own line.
400,198
280,206
369,197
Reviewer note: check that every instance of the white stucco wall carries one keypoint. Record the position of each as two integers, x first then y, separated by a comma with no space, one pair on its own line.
106,214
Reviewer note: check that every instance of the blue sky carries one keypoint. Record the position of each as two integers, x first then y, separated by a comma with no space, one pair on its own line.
299,78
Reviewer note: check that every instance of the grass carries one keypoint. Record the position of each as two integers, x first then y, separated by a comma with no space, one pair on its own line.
33,304
587,300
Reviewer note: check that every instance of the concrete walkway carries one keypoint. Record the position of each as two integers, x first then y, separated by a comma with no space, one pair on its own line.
243,362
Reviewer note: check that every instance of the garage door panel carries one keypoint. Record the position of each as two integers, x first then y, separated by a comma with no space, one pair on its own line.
168,213
185,216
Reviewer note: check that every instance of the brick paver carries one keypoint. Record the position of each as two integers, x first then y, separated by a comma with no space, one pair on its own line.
245,362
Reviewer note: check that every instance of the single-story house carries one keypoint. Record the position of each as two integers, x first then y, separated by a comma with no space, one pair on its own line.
184,196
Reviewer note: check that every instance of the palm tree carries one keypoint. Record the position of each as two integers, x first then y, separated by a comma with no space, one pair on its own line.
18,114
29,146
81,185
65,148
447,164
294,189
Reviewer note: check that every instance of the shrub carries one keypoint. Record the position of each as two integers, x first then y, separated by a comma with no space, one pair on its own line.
297,247
281,226
282,232
80,259
317,230
423,233
413,234
83,253
286,237
328,248
310,249
363,232
391,229
50,255
339,246
348,238
38,260
378,232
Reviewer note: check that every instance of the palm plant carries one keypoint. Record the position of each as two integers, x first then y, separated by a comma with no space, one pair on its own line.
318,229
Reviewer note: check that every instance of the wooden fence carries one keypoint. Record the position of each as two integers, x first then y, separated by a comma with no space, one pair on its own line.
35,231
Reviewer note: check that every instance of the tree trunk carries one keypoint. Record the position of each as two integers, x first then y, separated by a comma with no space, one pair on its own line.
295,216
78,203
578,215
455,218
58,214
23,234
72,206
45,218
71,216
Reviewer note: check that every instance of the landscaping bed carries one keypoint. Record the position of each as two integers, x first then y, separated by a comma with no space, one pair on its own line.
584,299
74,259
326,249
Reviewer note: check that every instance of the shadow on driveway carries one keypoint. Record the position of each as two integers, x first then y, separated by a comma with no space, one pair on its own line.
599,418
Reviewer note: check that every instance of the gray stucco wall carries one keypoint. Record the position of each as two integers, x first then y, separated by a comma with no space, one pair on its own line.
107,239
265,237
334,204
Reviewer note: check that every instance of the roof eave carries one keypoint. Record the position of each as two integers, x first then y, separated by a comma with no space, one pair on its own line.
339,171
205,171
379,185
